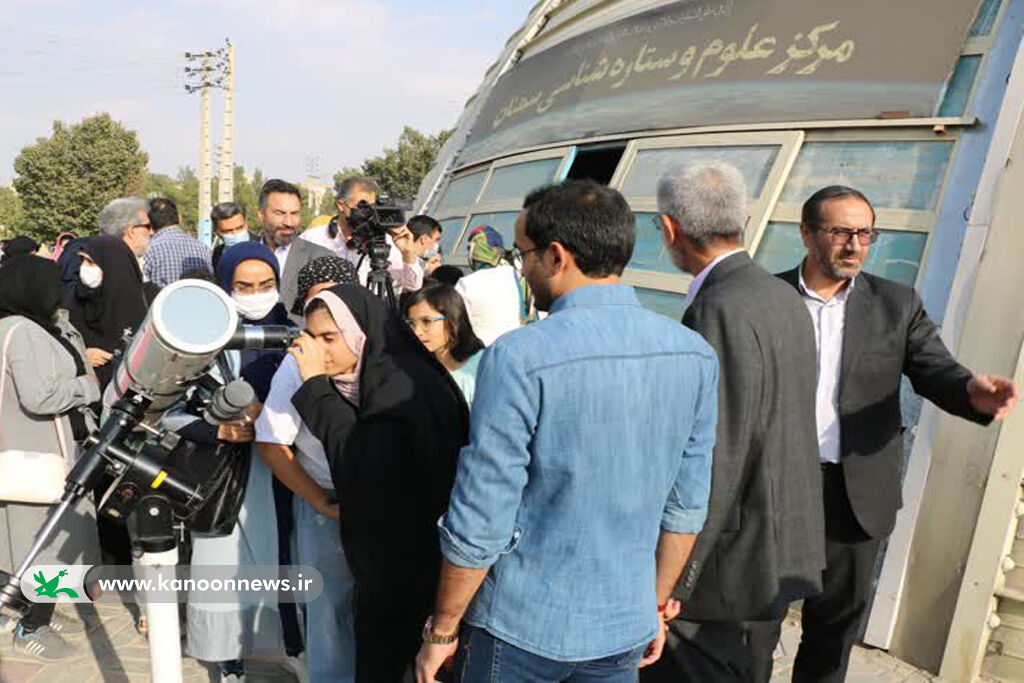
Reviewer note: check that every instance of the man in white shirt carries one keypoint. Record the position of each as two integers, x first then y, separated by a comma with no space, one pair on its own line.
297,460
405,268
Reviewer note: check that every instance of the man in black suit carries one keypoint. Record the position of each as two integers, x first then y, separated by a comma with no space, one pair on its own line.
869,333
762,546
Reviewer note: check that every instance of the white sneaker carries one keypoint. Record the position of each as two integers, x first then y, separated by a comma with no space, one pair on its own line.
232,678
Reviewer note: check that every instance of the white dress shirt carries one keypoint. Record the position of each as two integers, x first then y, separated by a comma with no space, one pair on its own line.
698,281
407,276
829,319
282,256
279,423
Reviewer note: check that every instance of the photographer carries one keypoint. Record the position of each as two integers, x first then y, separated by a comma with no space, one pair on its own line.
337,236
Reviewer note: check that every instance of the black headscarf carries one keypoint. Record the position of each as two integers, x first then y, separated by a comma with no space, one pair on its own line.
120,302
19,246
393,458
320,270
30,287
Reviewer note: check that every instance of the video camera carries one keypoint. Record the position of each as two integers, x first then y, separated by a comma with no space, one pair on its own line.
370,224
158,478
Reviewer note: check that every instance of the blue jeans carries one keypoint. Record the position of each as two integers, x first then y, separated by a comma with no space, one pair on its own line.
330,619
482,658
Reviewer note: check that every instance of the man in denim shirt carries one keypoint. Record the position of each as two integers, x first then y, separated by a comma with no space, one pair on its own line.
586,479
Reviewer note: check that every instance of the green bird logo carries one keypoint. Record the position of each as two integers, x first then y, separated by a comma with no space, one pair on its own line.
49,588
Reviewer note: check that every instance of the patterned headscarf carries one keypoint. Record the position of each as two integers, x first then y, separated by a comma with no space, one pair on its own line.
486,247
320,270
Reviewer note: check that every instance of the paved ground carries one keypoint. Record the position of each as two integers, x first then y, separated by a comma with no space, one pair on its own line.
112,652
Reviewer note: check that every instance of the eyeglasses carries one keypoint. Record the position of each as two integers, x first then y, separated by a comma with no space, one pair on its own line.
424,323
656,220
518,254
147,226
841,236
254,288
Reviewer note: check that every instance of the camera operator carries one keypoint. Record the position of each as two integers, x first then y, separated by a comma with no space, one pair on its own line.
405,267
427,235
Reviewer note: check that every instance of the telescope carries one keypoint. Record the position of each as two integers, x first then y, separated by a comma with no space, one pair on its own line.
160,479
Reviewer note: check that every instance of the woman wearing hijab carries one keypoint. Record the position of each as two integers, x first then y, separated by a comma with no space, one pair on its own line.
391,421
108,299
299,462
225,632
497,296
438,318
45,382
19,246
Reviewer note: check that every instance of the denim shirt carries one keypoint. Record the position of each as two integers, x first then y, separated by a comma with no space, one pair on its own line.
591,431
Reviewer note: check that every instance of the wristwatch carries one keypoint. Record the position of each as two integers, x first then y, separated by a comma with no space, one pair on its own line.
431,638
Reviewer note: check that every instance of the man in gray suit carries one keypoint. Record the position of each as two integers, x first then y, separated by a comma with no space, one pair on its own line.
280,205
761,547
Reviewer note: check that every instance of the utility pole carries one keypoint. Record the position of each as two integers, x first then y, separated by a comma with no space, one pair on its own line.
226,186
209,75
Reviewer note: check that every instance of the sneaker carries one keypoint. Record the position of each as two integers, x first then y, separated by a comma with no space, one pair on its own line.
66,625
44,643
232,678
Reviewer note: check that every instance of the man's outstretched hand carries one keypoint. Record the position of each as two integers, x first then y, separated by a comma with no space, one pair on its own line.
993,395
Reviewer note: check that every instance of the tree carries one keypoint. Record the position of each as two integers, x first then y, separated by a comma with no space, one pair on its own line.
400,170
65,180
11,212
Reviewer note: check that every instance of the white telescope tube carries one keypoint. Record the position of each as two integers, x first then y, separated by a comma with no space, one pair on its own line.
189,323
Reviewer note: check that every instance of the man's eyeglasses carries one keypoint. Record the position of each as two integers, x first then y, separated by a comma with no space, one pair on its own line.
841,236
417,323
147,226
656,220
518,254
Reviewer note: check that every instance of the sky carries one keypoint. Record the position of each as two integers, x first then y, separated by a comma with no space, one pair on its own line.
319,84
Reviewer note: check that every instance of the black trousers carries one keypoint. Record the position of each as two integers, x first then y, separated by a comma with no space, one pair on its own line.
293,643
832,621
716,651
388,636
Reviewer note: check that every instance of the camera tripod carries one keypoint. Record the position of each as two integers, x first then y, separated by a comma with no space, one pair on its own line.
379,280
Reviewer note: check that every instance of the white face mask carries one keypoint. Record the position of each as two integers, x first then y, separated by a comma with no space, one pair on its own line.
432,252
255,306
90,275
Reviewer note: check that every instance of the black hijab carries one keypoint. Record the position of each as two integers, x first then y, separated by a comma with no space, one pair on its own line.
19,246
120,302
393,458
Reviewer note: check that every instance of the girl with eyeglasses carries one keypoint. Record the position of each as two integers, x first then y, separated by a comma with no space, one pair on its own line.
437,315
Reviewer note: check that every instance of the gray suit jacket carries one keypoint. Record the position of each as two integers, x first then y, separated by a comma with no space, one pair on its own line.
300,253
763,544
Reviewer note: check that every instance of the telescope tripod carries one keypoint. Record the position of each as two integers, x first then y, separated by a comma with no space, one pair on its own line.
150,525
